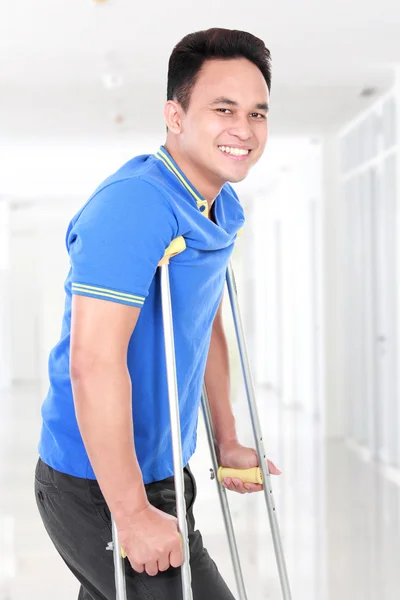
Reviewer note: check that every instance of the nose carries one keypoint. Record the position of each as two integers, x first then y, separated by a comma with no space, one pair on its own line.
241,129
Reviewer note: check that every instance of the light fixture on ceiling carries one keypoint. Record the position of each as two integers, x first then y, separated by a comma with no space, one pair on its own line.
112,80
118,113
368,92
119,119
111,71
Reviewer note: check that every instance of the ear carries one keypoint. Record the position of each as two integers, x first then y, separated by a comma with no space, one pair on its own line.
173,116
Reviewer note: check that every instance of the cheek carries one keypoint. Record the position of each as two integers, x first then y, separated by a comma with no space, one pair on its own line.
213,128
262,137
202,131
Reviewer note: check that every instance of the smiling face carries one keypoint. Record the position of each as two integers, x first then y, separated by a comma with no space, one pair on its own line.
224,130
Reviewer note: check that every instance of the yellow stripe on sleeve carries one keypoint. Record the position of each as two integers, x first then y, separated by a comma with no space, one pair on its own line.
90,289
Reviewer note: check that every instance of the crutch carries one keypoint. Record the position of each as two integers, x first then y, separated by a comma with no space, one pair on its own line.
257,475
178,245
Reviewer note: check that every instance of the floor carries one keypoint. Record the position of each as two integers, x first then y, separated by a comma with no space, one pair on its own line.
339,516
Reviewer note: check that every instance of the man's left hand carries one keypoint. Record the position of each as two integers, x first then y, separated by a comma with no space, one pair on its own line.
236,456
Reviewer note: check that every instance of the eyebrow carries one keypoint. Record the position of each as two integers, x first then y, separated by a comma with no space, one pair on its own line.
223,100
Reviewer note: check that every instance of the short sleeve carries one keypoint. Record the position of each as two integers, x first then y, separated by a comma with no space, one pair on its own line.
117,241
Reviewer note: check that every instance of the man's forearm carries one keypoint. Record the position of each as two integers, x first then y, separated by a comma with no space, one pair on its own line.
217,380
103,404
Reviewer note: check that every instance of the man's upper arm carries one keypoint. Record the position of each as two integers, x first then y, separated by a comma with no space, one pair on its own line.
100,332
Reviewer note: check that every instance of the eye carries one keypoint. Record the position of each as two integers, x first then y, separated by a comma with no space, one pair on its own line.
258,116
224,111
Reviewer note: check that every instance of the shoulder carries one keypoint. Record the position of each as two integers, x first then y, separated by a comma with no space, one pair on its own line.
125,206
128,191
125,198
133,186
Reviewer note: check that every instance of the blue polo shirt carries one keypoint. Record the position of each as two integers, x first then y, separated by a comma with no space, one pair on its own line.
115,243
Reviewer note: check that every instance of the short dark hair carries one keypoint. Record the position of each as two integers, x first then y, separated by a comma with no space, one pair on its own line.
195,49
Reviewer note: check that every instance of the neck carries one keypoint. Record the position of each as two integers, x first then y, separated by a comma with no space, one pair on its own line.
207,188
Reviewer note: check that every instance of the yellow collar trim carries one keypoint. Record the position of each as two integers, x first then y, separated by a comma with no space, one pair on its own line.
171,167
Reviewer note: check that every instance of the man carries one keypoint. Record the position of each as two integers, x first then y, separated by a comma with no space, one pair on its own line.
105,443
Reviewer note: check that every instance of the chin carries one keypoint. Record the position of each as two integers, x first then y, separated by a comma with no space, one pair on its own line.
237,178
231,175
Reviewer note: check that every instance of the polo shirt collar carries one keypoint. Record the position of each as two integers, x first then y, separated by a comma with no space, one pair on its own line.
164,156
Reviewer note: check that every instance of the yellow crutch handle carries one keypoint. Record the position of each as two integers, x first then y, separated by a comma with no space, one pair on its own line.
177,246
253,475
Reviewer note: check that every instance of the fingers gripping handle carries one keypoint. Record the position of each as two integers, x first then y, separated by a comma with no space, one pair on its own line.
123,551
253,475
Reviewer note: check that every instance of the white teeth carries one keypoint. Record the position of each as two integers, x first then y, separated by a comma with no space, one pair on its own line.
234,151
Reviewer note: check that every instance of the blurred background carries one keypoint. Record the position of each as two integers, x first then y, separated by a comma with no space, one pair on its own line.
82,88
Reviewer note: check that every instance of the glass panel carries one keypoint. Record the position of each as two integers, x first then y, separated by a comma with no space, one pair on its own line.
389,123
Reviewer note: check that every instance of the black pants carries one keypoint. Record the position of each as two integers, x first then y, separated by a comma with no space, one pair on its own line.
78,522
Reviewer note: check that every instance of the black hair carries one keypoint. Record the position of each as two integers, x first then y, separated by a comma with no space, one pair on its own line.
190,54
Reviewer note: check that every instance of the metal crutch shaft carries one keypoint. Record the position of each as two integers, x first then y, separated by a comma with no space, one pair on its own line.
177,246
175,430
237,569
267,489
119,571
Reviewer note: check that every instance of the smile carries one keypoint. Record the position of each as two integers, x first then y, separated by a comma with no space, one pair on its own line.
235,153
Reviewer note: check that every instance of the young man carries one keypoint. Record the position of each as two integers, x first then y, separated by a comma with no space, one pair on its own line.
105,443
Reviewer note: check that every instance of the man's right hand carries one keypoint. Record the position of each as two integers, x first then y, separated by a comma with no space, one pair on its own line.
151,541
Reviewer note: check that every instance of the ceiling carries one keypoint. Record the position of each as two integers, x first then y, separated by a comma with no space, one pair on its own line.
81,68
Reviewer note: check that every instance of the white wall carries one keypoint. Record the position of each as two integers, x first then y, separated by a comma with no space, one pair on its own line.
24,305
39,262
286,218
370,200
5,329
61,169
334,262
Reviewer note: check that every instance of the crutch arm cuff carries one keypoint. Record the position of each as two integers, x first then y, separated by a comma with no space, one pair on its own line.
177,246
